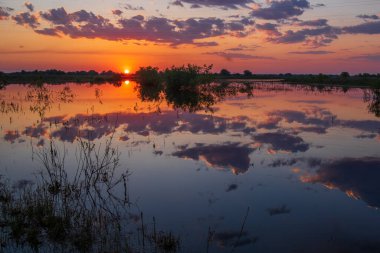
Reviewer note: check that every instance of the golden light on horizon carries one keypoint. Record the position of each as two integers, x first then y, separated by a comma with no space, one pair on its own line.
126,71
126,82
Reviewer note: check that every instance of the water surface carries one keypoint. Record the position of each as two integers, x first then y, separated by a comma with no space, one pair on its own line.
262,168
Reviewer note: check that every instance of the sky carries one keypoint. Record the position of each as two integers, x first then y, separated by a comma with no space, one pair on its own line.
263,36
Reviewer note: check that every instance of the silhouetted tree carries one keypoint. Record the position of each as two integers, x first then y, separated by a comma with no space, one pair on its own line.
247,73
225,72
92,72
345,75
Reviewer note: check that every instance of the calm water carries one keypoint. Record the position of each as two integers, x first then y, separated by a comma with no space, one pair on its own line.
268,168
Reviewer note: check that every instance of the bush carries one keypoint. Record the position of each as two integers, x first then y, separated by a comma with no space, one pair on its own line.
148,76
188,76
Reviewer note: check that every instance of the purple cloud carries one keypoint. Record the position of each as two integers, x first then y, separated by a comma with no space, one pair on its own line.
283,9
232,56
83,24
133,8
117,12
365,28
4,13
228,155
57,16
366,17
29,6
357,177
315,37
25,18
317,52
316,22
282,141
269,28
368,57
224,4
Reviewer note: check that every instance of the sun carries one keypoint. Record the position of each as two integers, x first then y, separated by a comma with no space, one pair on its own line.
126,71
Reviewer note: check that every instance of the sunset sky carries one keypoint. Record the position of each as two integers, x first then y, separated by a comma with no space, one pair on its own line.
264,36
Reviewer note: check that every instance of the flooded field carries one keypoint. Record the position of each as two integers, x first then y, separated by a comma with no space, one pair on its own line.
220,168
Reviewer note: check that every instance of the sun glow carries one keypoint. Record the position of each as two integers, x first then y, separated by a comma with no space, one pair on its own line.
126,71
126,82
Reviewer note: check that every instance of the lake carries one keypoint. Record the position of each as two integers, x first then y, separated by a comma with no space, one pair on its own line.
225,168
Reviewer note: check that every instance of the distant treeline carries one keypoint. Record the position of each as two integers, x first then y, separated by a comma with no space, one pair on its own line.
57,76
345,79
54,76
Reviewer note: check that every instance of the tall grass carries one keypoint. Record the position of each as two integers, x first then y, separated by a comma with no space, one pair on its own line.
80,213
84,211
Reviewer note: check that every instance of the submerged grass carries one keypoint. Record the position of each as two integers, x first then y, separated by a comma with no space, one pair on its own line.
58,212
87,211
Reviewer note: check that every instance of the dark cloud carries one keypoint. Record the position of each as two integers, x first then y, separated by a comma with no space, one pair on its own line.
242,47
224,4
372,126
269,28
57,16
283,162
357,177
29,6
133,8
365,17
281,9
367,57
124,138
35,132
318,102
318,32
233,56
311,162
11,136
315,37
366,136
99,125
314,52
312,129
270,123
84,24
196,123
48,32
316,120
206,44
41,143
4,13
25,18
314,162
229,155
315,117
365,28
195,6
316,22
283,142
318,5
117,12
177,3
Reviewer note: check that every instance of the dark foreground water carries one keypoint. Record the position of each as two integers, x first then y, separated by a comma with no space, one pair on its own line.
235,168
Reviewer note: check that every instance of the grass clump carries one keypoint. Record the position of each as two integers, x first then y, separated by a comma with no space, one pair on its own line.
79,213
